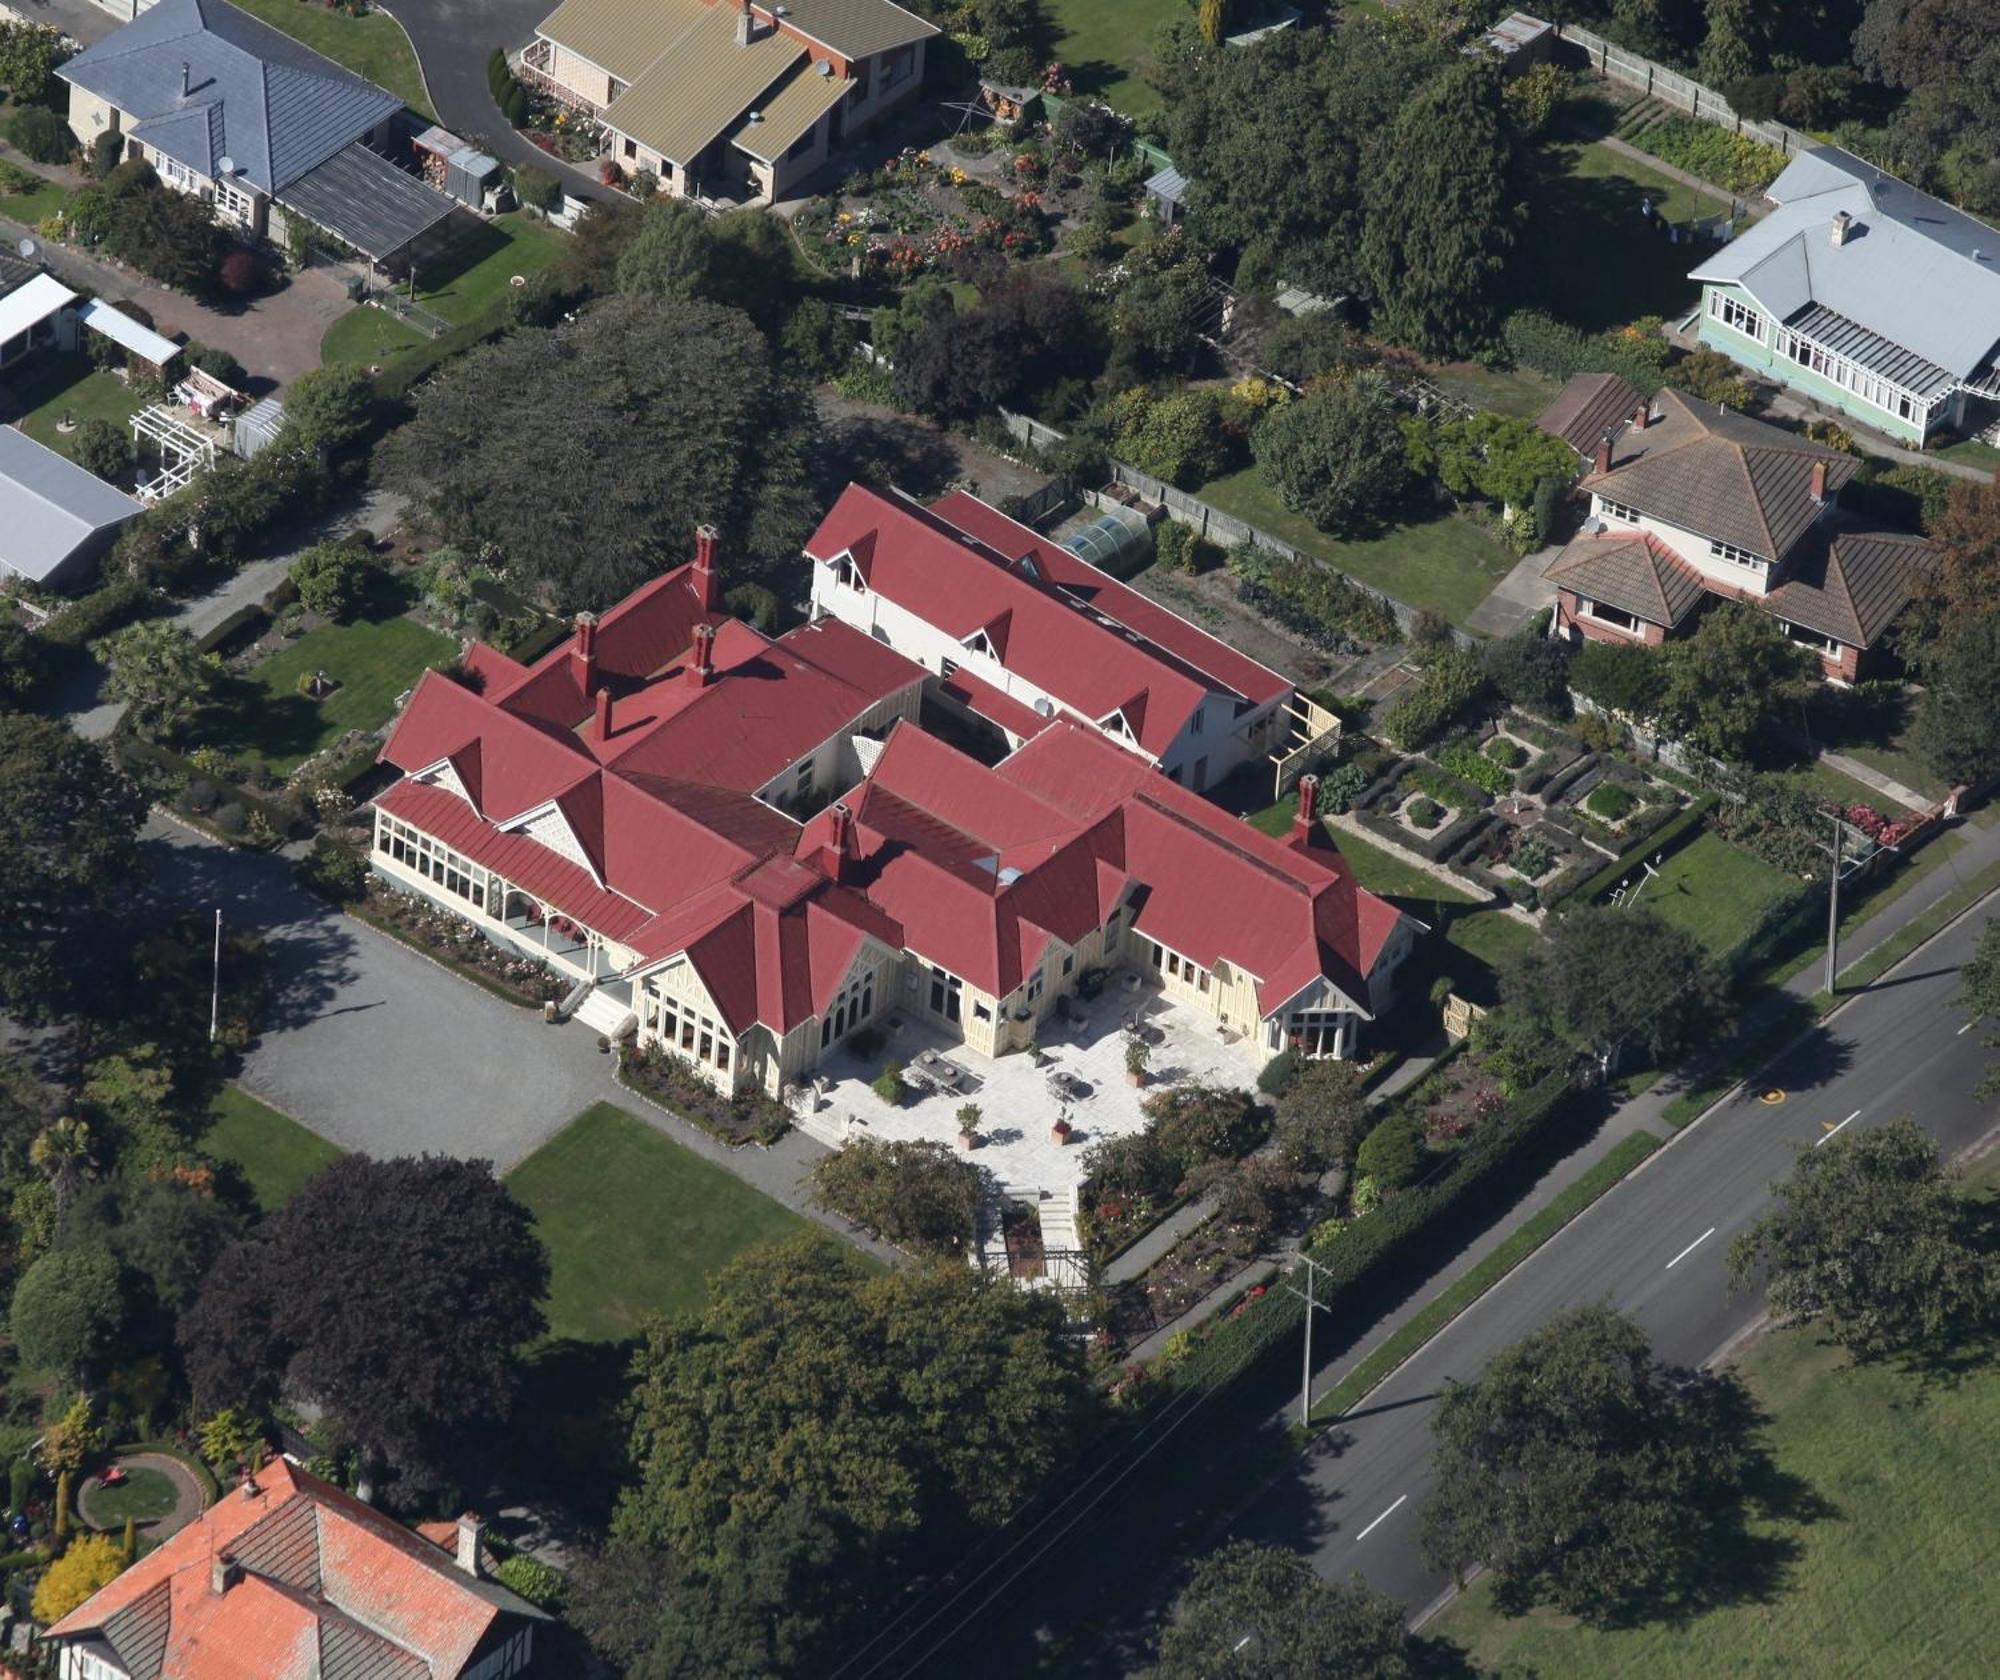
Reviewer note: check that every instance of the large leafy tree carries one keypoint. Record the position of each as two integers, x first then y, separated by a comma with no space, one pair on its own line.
1872,1241
1946,54
393,1292
924,1400
1261,1613
1336,456
1732,680
642,422
1442,203
1322,1115
1582,1472
921,1196
1963,580
1604,976
1958,719
160,672
67,1307
1025,332
69,826
1980,979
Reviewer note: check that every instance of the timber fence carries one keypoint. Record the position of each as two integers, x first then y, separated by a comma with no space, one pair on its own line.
1670,87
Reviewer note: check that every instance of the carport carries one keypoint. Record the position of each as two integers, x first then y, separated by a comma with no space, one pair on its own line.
361,198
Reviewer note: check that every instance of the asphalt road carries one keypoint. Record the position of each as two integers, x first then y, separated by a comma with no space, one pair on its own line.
1654,1248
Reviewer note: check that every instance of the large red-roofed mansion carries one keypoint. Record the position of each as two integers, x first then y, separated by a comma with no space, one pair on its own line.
747,849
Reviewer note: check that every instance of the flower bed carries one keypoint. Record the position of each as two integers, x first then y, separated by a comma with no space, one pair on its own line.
913,214
459,945
668,1080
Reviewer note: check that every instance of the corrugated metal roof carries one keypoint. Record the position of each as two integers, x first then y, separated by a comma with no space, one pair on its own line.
127,333
791,112
1169,184
855,28
367,201
622,36
40,298
49,506
275,107
1912,269
698,90
1872,351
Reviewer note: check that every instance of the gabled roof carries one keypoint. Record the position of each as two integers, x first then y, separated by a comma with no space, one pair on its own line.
1071,632
50,507
328,1586
1587,407
1913,269
1721,475
701,84
1633,571
1851,586
275,108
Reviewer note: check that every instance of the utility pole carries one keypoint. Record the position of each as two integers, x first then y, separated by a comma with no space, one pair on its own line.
215,985
1312,1306
1833,910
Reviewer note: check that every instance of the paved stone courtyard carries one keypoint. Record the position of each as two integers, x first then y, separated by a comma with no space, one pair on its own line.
1014,1095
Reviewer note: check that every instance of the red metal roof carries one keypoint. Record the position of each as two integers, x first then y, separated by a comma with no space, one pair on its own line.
983,699
951,580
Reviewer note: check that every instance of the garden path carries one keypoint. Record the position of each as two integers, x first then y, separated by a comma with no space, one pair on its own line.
188,1499
1516,598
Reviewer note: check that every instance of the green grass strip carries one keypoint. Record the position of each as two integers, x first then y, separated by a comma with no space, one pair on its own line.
1570,1201
1900,944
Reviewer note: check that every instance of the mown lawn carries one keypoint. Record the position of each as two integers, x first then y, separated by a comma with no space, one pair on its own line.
1714,890
275,1154
1103,43
373,46
265,720
1968,451
1447,563
1520,392
472,276
56,385
634,1223
1894,1578
1880,735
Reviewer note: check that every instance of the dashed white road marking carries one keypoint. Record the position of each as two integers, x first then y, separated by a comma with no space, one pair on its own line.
1379,1521
1831,1130
1691,1247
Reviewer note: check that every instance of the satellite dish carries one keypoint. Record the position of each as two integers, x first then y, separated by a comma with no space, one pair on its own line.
226,165
27,248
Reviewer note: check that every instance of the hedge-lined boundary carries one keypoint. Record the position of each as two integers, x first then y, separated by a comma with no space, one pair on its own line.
1406,1339
1356,1258
1670,834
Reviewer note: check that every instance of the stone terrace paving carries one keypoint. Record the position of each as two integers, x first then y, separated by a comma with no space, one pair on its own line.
1016,1104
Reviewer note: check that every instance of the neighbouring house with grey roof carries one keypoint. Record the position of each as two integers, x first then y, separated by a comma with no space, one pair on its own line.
1862,293
1689,502
264,128
56,520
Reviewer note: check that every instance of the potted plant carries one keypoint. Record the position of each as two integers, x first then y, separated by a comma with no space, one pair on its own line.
1137,1054
968,1126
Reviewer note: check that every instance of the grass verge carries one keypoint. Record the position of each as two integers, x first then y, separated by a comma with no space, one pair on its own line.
1870,968
1570,1201
634,1223
274,1153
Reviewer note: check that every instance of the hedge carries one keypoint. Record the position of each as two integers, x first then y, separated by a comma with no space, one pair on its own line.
1550,346
1401,1239
102,611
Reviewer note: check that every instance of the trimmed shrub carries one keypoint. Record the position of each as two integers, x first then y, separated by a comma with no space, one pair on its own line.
536,188
106,152
1424,812
41,134
1173,546
534,1580
1393,1153
888,1084
921,1196
1278,1074
239,272
1509,755
1451,684
1611,802
1621,677
335,872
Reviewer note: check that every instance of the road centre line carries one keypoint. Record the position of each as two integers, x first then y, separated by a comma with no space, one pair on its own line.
1691,1247
1831,1130
1379,1521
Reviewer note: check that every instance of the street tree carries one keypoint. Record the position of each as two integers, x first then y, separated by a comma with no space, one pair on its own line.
1336,456
1728,683
69,826
925,1401
160,672
393,1293
1872,1241
1958,718
1603,976
685,400
1260,1612
1583,1473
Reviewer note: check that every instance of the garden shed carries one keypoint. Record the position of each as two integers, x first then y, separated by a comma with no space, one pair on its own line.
1167,192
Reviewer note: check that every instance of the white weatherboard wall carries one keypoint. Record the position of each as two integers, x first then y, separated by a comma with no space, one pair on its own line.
1691,547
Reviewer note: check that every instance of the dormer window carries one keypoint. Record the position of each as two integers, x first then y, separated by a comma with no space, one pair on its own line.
850,574
980,642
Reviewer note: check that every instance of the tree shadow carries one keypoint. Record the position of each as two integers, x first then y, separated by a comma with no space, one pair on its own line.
1633,269
1092,75
1820,1058
889,452
565,1450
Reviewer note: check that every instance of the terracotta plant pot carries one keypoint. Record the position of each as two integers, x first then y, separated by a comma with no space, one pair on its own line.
1135,1077
968,1140
1059,1133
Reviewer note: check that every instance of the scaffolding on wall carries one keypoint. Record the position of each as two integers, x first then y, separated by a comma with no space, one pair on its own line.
184,451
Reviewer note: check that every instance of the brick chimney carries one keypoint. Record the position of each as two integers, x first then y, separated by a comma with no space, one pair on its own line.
1642,417
471,1531
1302,823
707,589
1819,482
833,851
701,662
224,1572
1603,462
603,715
583,652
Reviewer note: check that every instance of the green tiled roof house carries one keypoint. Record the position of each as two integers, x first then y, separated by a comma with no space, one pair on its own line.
1866,295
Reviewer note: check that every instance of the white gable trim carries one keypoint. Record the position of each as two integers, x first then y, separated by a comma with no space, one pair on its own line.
546,825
